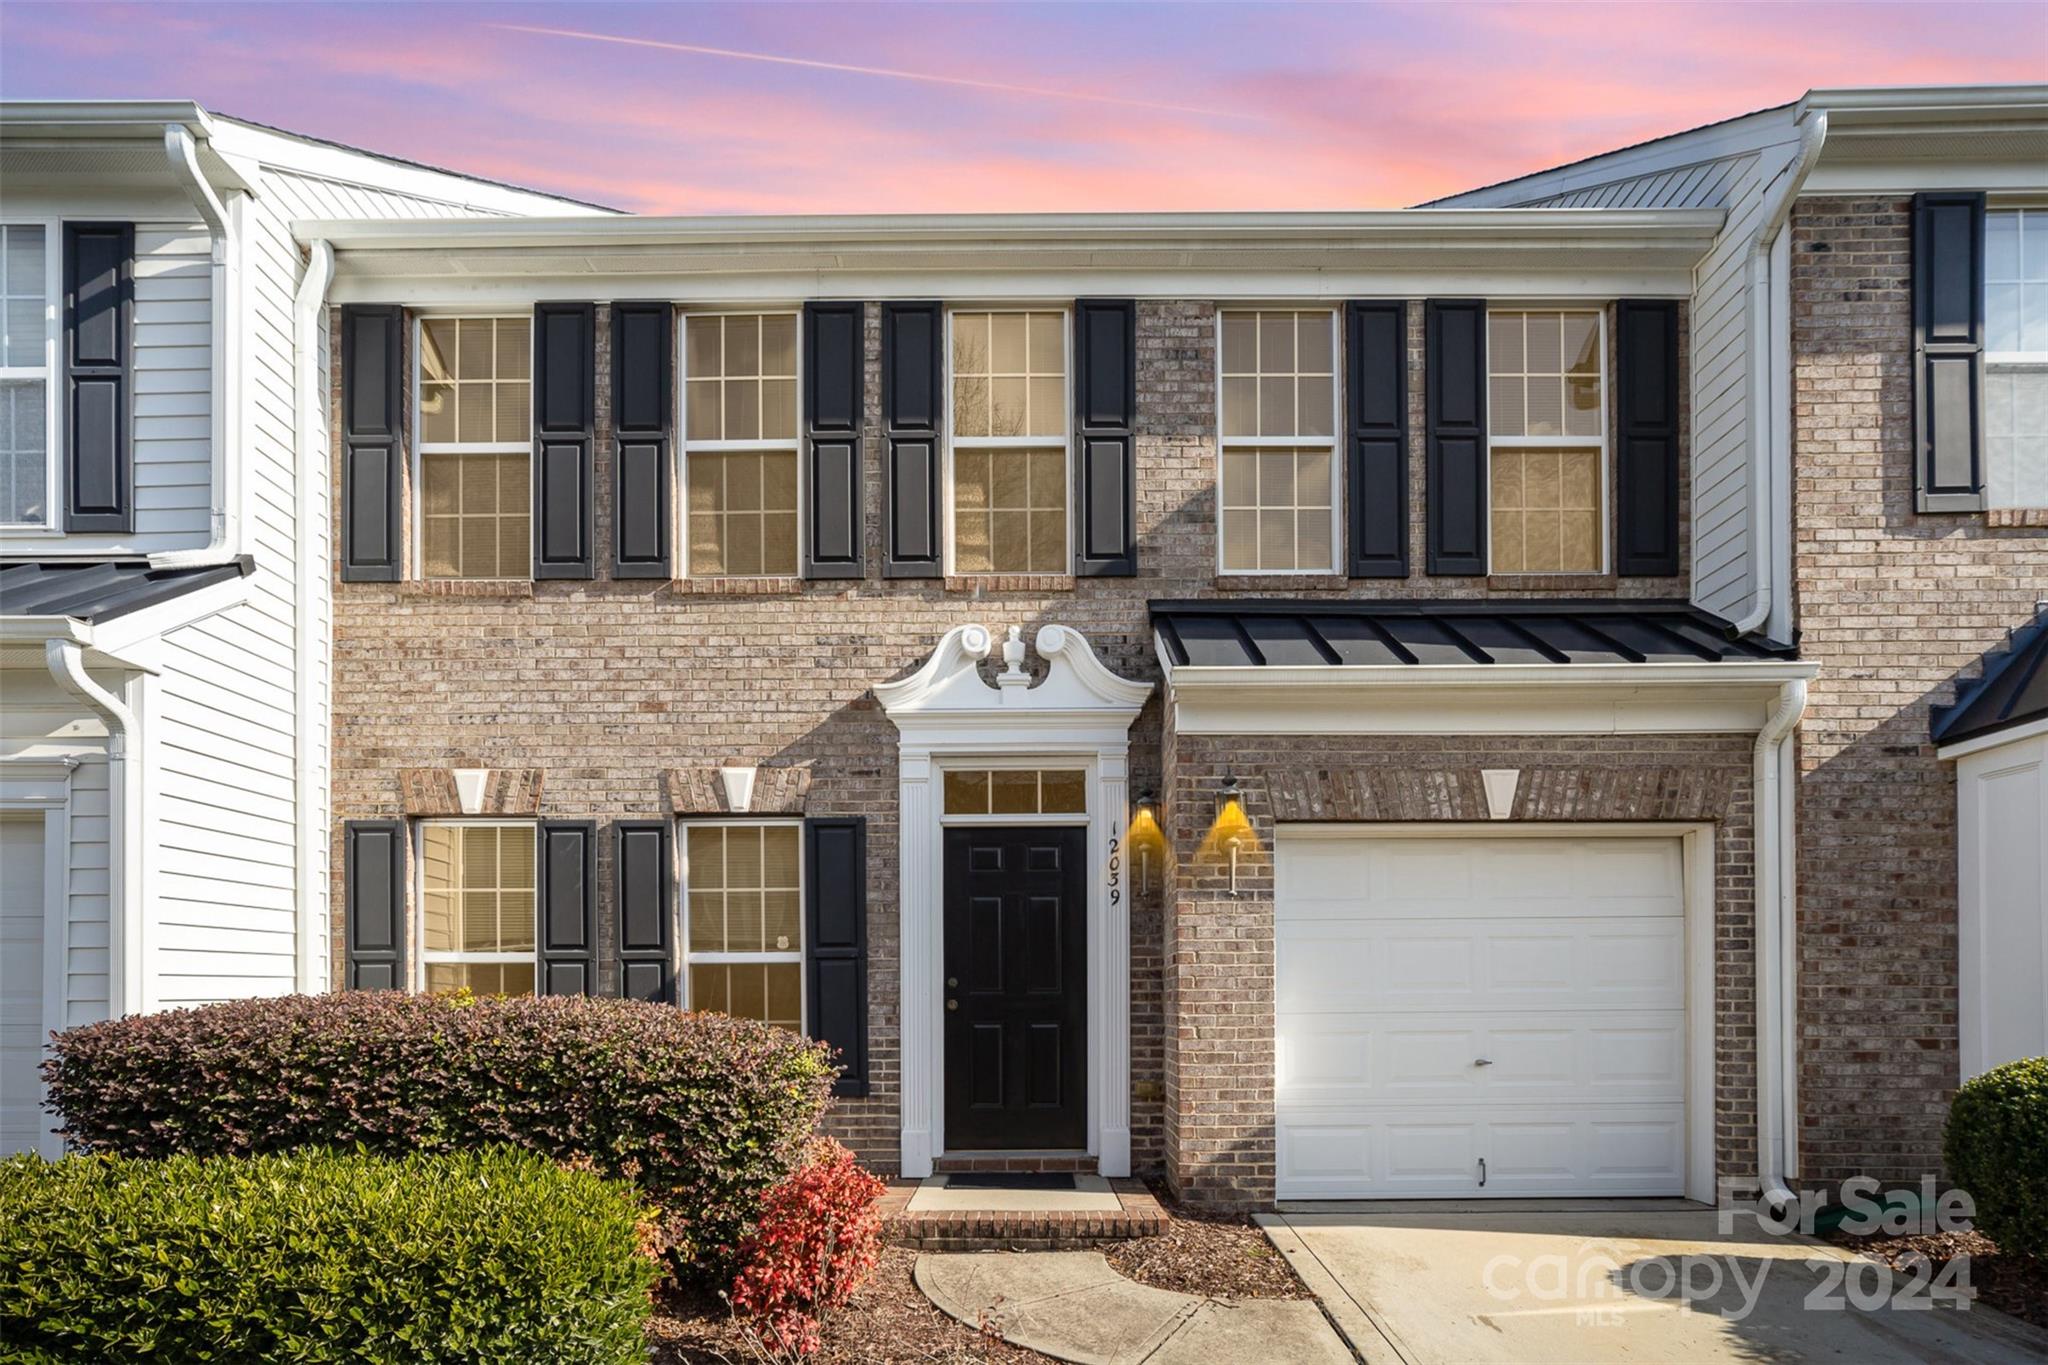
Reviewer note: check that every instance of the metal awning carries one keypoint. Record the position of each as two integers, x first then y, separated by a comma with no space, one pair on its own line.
1281,634
2011,691
103,590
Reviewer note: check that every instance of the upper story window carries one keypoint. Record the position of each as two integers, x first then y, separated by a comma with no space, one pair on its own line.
1547,423
2016,358
477,895
740,442
476,444
1008,418
28,340
744,921
1278,499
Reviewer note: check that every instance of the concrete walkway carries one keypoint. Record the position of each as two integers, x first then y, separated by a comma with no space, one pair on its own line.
1071,1305
1455,1285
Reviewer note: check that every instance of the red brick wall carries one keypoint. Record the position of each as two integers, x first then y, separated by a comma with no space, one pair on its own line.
604,687
1893,605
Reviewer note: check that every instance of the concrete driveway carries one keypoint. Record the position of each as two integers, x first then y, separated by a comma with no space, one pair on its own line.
1637,1281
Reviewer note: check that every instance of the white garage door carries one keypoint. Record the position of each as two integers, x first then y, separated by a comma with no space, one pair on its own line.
1466,1017
22,1122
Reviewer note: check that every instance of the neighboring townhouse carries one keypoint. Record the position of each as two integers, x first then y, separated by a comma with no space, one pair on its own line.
164,624
1426,703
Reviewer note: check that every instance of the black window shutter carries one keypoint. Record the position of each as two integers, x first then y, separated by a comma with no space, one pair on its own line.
567,877
1455,435
912,334
99,342
1646,439
836,941
1105,411
373,458
834,395
1948,350
373,908
642,393
643,888
1376,377
564,418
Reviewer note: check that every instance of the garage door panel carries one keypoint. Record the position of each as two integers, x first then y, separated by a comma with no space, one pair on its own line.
1485,964
1612,1151
1445,1002
1583,1057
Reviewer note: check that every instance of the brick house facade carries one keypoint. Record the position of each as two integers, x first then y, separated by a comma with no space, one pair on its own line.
1749,760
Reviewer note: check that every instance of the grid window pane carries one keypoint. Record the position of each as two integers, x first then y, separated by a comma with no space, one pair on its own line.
477,896
2016,281
1016,791
743,885
771,992
476,516
741,377
24,451
1009,374
1546,510
24,296
475,381
1270,497
1278,373
742,512
1009,511
2016,436
480,978
1545,374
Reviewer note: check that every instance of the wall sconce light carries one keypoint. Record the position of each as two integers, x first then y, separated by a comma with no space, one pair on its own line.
1233,829
1145,835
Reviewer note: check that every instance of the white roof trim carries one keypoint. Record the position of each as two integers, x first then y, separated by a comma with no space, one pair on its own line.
1997,739
1732,697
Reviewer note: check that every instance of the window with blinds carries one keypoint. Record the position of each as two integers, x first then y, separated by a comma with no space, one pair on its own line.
475,433
740,443
477,897
1277,497
1008,415
743,920
1546,413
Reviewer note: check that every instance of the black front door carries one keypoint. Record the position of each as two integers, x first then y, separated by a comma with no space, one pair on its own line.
1016,989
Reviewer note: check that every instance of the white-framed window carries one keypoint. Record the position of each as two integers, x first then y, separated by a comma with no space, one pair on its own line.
30,407
1546,421
2016,357
743,919
739,395
1277,494
1007,447
477,896
473,424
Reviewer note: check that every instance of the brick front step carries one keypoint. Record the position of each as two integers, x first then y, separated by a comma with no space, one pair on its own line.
1079,1163
967,1230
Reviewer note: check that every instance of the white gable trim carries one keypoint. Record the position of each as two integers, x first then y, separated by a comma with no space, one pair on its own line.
1080,713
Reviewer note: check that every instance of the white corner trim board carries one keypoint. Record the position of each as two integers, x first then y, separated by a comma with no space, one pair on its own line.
945,714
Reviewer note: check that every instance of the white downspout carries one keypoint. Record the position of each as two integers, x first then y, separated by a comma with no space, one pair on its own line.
1776,943
226,396
308,315
66,661
1768,452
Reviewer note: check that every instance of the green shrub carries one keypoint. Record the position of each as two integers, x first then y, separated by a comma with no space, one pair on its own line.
1996,1147
316,1256
702,1111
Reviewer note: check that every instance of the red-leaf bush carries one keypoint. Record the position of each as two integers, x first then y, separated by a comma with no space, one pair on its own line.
816,1241
703,1112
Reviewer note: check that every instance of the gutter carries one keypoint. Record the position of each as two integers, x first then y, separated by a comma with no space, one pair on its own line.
1777,956
222,224
65,658
308,312
1770,392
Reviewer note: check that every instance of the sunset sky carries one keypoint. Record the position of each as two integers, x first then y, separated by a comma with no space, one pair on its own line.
905,108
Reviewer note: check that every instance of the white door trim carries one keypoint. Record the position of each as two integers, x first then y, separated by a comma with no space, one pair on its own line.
1696,842
946,715
42,787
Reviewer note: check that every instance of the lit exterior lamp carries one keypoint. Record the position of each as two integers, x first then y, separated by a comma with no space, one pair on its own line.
1232,829
1145,836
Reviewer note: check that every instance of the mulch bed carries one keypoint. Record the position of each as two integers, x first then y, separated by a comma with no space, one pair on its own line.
2012,1284
889,1322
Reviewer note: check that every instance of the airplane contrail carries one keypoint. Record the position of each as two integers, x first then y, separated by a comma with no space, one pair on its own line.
890,73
